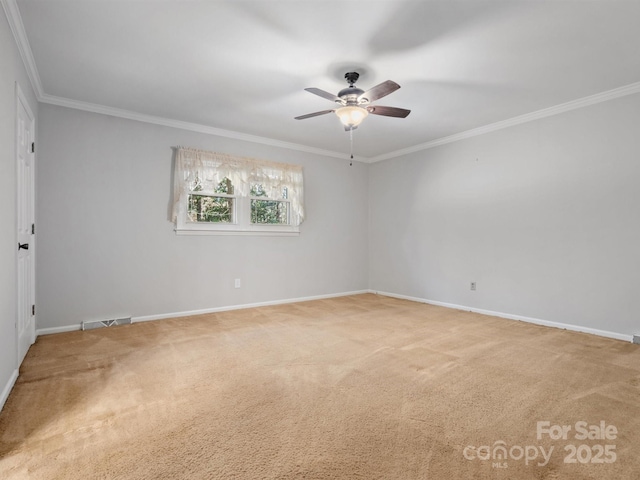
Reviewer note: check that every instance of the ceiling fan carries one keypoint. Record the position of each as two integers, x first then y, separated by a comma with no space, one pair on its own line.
355,104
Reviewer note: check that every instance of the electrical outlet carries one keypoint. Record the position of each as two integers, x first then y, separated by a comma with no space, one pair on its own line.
473,285
238,283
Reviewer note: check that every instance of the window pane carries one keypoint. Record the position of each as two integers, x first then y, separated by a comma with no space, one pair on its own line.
204,208
270,212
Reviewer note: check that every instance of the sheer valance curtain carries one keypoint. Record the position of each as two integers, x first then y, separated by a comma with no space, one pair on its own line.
208,169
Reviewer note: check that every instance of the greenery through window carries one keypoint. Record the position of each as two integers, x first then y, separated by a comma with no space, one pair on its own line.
222,194
211,208
269,211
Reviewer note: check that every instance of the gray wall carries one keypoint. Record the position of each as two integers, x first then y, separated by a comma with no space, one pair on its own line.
543,216
107,247
12,71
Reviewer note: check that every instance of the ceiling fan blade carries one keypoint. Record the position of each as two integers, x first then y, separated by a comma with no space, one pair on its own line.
314,114
323,94
389,111
379,91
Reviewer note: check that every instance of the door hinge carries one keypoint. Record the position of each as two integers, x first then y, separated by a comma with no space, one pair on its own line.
33,229
33,147
33,310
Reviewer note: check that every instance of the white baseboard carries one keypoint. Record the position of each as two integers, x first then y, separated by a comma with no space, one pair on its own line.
7,388
66,328
537,321
163,316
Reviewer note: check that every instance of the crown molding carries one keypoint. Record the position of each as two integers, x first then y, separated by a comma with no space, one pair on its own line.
528,117
193,127
14,19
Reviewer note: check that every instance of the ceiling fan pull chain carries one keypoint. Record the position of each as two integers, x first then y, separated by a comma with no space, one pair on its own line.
351,141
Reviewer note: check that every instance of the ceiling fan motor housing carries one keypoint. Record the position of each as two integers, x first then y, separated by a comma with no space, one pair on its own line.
351,93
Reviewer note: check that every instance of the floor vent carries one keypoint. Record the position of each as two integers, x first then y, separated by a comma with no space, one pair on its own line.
105,323
636,339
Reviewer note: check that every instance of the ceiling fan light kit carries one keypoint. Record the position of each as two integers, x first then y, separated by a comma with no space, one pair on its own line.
351,116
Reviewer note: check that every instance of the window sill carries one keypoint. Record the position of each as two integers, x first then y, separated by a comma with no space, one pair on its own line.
257,231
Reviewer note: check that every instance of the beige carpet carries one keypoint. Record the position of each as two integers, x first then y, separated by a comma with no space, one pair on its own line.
361,387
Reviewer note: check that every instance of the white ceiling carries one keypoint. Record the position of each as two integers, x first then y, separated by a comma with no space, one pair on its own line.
242,66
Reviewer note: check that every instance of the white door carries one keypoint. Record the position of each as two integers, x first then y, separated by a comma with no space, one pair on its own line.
26,329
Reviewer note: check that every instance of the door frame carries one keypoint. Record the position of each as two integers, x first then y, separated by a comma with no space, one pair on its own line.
22,100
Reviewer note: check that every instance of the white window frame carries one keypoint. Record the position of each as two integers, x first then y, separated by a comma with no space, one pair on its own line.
241,215
267,199
234,213
241,226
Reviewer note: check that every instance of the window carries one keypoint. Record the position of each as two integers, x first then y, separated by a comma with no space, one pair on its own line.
219,208
222,194
268,212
